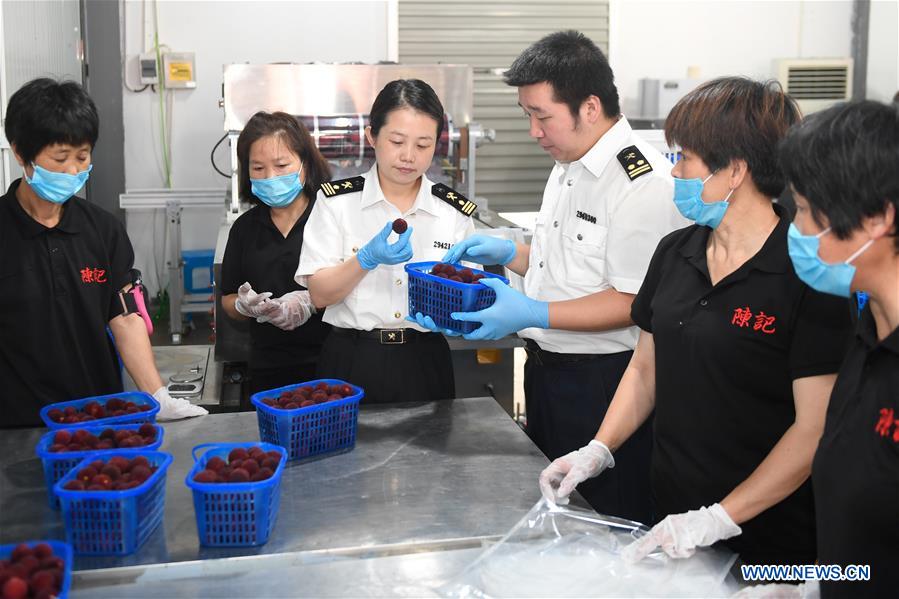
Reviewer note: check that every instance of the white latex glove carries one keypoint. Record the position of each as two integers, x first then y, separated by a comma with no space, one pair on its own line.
171,408
559,479
806,590
680,534
294,309
254,305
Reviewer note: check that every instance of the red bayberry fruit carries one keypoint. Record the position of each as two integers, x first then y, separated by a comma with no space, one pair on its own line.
335,397
239,475
238,453
129,442
42,550
270,463
112,472
108,433
42,580
15,588
56,448
147,430
55,415
86,474
19,552
102,480
62,437
140,473
215,464
206,476
400,226
306,403
251,466
291,406
139,461
123,464
28,564
346,390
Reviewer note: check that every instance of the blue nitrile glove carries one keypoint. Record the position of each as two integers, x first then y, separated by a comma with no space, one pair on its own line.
482,249
428,323
511,312
378,251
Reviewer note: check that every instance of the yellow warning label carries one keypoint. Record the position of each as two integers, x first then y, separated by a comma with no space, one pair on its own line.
180,71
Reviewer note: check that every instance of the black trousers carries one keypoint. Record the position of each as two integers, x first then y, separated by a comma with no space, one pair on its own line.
566,399
263,379
421,369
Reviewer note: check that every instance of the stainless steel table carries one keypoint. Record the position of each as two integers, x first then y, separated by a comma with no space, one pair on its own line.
438,479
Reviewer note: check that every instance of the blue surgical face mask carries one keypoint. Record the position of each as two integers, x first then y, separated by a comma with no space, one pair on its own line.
835,279
688,199
56,187
277,192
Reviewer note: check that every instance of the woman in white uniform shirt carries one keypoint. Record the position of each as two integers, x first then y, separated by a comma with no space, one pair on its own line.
353,263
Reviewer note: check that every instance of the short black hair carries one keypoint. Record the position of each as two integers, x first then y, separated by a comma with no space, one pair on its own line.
402,93
574,66
45,111
295,136
845,161
735,118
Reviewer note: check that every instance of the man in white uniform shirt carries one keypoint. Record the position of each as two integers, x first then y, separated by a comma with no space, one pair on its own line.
607,203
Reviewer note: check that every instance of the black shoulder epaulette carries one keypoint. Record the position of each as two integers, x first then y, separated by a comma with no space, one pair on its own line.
454,198
634,162
341,186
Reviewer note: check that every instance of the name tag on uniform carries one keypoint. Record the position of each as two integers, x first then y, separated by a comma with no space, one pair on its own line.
587,217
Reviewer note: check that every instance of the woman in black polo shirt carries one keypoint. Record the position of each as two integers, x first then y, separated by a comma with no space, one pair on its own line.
843,164
280,170
64,263
736,355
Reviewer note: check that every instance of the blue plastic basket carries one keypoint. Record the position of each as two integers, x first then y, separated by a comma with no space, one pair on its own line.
313,430
60,549
57,465
438,298
114,522
235,514
138,397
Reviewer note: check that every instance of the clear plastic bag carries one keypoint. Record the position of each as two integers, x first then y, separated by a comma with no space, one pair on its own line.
563,551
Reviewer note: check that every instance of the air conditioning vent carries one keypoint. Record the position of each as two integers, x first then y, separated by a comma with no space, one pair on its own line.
816,83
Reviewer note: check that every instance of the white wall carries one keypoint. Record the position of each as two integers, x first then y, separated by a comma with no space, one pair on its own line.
883,51
255,31
661,39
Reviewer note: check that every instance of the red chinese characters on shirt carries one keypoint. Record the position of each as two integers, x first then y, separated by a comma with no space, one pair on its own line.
886,423
763,322
93,275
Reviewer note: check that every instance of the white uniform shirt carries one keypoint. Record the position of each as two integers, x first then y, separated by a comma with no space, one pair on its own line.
341,224
597,229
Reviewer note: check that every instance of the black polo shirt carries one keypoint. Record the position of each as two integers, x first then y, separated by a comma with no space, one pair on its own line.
58,291
856,469
257,252
726,357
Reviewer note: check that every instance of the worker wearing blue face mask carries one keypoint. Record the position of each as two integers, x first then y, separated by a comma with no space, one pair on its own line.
737,356
279,170
842,164
66,273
